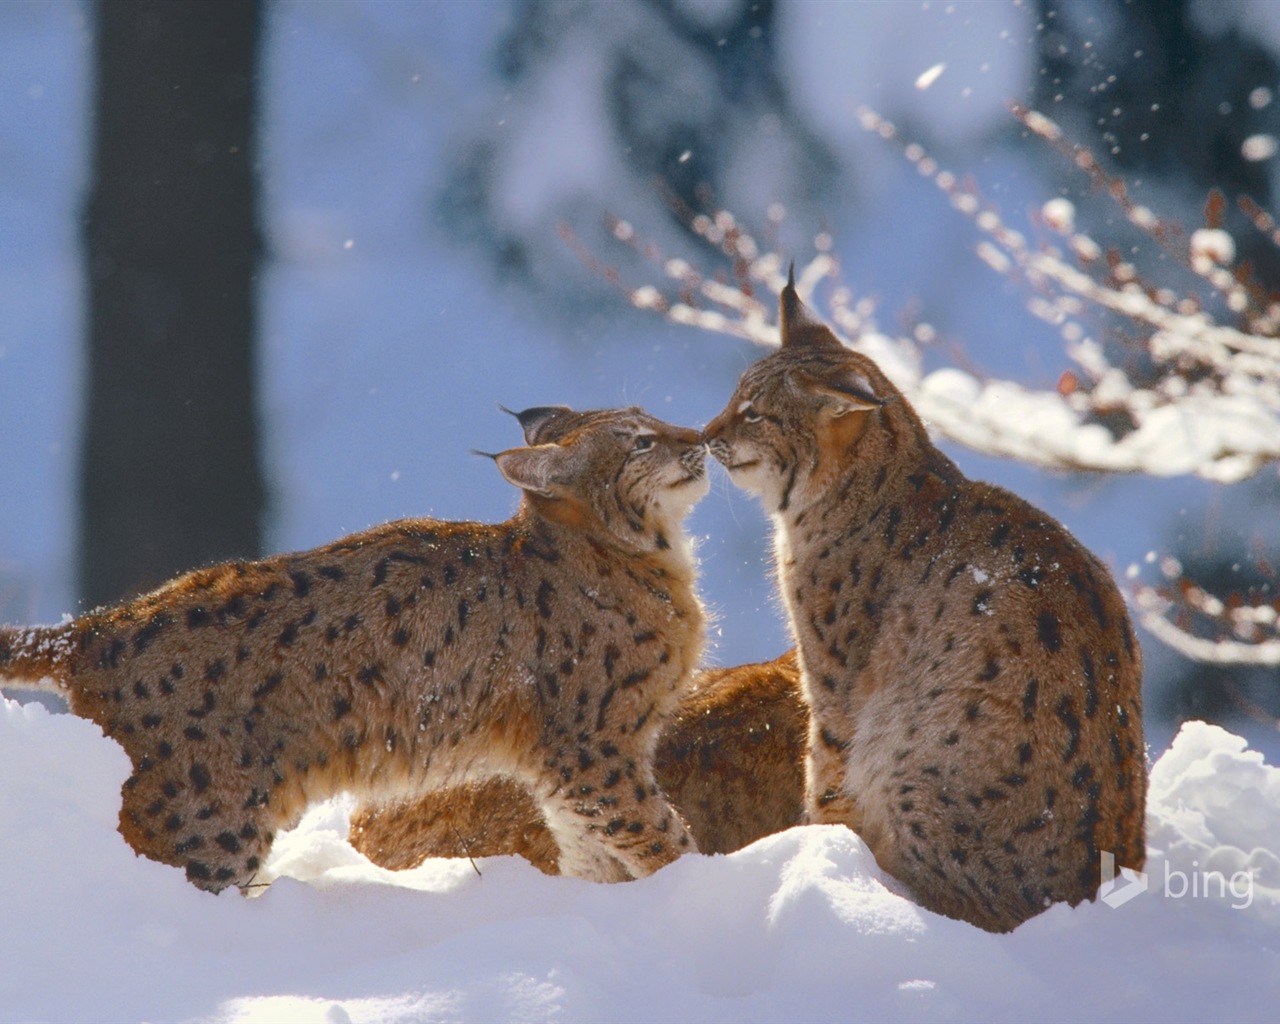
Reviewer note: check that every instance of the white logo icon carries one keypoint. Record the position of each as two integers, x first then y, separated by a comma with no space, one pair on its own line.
1117,893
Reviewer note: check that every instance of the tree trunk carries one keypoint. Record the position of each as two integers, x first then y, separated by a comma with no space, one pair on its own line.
170,475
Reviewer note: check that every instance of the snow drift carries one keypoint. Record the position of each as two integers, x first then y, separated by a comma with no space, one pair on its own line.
801,925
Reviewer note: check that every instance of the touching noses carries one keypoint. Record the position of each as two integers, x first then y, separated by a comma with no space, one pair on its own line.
687,436
711,432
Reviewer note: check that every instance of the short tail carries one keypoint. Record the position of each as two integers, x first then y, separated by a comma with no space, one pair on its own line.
36,657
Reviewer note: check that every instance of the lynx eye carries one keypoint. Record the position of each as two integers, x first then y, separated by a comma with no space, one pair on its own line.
643,443
748,413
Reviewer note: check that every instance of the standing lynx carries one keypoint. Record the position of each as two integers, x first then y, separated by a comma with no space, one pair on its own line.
419,655
972,677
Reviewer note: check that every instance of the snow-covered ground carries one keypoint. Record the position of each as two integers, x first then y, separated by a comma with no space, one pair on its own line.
799,926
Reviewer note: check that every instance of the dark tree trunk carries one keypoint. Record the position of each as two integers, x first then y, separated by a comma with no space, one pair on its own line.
170,473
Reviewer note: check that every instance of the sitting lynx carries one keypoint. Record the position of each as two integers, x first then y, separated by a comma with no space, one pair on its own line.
421,654
730,760
972,677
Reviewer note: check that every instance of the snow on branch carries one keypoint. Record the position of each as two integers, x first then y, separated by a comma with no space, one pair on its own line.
1239,630
1207,401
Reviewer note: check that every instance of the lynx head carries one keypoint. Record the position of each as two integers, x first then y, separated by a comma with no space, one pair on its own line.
621,470
804,417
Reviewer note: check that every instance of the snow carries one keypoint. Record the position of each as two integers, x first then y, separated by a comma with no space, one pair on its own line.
928,77
1259,147
1213,245
1060,215
1221,437
801,925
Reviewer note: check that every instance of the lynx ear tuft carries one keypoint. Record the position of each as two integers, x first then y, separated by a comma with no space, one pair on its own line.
798,325
534,421
538,470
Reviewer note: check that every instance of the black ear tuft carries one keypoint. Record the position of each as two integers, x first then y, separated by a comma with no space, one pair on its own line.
790,308
536,420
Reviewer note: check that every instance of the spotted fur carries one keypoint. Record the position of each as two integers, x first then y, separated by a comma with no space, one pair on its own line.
548,649
972,675
730,760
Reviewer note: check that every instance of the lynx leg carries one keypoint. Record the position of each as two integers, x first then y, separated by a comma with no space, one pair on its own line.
581,853
218,841
646,832
827,799
613,822
827,796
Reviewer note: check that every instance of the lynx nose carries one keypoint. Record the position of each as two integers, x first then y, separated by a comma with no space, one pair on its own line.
715,447
711,432
694,458
686,435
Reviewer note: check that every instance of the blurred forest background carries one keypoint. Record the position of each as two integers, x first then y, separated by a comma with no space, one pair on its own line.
267,268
